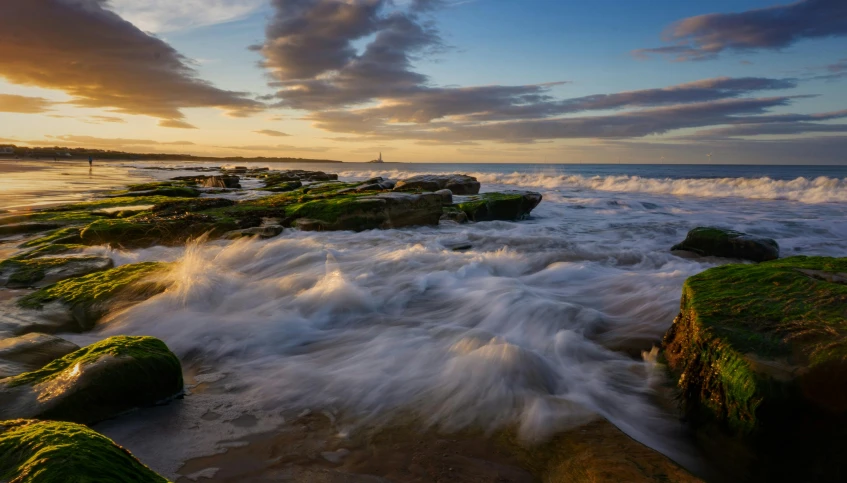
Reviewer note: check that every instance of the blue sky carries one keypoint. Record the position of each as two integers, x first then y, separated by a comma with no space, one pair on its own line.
426,80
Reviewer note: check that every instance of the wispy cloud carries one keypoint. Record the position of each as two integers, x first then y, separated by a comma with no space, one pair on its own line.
114,64
705,37
168,15
271,132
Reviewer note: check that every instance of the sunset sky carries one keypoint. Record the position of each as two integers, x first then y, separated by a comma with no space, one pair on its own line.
648,81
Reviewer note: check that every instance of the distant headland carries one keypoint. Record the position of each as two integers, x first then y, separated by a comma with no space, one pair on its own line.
8,151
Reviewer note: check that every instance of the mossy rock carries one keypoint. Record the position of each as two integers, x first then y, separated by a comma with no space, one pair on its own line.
32,272
166,191
458,184
22,228
761,351
144,231
717,242
357,213
59,452
47,250
190,206
30,352
63,236
506,206
89,297
283,187
95,383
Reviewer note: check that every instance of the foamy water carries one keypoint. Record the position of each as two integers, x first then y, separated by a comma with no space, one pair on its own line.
539,326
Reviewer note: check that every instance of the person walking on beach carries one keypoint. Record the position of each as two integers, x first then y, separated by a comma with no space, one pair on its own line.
90,161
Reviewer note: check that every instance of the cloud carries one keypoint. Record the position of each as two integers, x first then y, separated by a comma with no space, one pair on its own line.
24,104
706,36
110,119
167,15
271,132
279,147
70,139
176,124
103,61
778,128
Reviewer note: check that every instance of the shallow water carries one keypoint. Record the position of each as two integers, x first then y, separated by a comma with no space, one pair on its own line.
540,324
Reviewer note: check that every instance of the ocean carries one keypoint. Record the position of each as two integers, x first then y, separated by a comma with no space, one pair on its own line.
543,324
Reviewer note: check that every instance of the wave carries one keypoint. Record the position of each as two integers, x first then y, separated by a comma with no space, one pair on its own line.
805,190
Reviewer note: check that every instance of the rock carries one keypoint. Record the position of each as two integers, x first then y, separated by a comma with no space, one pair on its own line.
52,452
509,205
758,351
219,182
21,228
450,213
95,383
189,206
447,197
267,231
30,352
78,303
40,272
169,191
384,210
717,242
284,186
458,184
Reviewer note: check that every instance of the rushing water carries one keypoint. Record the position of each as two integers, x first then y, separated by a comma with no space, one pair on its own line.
541,324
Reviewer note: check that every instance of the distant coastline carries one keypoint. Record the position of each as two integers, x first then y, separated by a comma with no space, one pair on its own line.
59,153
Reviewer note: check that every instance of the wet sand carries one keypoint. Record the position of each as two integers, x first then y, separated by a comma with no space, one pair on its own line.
29,184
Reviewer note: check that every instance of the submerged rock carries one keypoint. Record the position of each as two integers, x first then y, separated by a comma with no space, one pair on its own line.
267,231
357,213
458,184
717,242
39,272
759,352
53,452
509,205
30,352
96,382
77,304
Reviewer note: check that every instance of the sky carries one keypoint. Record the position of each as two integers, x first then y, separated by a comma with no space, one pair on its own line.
534,81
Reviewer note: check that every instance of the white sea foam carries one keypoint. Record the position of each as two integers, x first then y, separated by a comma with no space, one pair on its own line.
821,189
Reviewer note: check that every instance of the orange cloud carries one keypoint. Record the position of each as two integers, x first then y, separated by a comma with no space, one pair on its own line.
24,104
103,61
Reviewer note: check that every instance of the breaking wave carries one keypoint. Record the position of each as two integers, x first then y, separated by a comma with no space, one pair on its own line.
805,190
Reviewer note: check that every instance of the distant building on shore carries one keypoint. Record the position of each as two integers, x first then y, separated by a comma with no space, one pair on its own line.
378,160
7,150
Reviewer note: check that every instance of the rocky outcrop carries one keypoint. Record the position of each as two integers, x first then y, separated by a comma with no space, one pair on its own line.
40,272
30,352
77,304
759,352
384,210
509,205
95,383
458,184
717,242
21,228
58,452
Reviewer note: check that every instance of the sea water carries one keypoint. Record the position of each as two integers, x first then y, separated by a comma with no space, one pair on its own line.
543,324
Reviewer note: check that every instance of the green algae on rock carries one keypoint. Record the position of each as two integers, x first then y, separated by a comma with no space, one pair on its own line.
761,350
30,272
59,452
458,184
90,296
509,205
94,383
357,213
710,241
